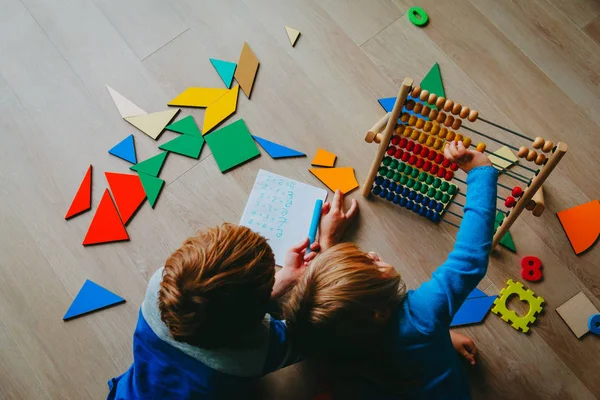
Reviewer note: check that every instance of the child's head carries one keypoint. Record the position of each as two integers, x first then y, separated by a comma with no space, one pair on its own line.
340,307
216,287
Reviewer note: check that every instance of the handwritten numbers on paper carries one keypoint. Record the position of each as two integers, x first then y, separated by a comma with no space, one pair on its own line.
270,211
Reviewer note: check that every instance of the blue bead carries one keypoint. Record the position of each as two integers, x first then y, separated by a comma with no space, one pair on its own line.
405,192
429,214
376,190
396,199
386,183
416,208
412,195
393,186
425,201
379,180
390,196
439,207
423,211
383,194
436,217
399,189
419,198
403,202
409,205
433,204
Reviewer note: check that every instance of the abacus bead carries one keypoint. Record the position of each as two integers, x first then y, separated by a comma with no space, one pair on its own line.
422,177
423,137
412,195
416,91
441,173
417,148
439,103
391,150
438,196
414,173
438,144
424,95
509,202
400,129
425,111
456,109
387,161
415,135
427,127
452,189
480,147
454,166
401,167
429,214
424,152
431,156
448,105
394,164
376,190
449,175
408,170
532,155
443,132
424,188
445,198
439,158
457,124
399,188
435,127
405,156
383,171
432,203
403,202
517,191
540,159
464,113
417,185
431,192
407,131
523,152
398,153
427,165
383,193
425,201
420,123
419,163
538,142
379,180
405,117
413,120
430,141
436,217
409,105
441,117
473,116
405,192
434,169
410,183
416,208
412,160
410,145
429,179
396,199
397,177
390,196
395,140
390,174
432,98
458,138
419,198
444,186
403,180
433,115
449,121
418,107
423,211
467,141
385,184
548,145
450,136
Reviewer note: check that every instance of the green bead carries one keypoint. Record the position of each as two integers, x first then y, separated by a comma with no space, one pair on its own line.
431,192
417,185
445,198
445,186
410,183
437,182
424,188
394,164
422,176
387,161
403,180
438,195
429,180
401,167
452,189
383,171
390,174
415,173
396,177
408,170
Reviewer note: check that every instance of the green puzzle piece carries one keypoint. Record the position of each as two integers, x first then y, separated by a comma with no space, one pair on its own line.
152,187
186,126
152,165
232,145
186,145
433,81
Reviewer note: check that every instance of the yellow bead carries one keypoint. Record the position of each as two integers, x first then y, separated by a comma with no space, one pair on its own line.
438,144
435,128
450,136
428,126
415,135
480,147
423,138
420,123
443,132
412,120
408,131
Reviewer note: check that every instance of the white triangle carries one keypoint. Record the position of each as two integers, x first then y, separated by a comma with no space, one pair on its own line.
293,34
126,107
152,124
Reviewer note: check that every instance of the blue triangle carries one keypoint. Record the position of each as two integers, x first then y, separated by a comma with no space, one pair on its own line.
276,150
125,149
225,69
387,103
476,293
473,310
91,297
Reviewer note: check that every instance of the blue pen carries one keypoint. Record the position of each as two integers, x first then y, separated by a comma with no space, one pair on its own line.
314,224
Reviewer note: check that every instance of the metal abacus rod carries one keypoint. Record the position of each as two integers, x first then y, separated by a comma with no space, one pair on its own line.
451,223
504,128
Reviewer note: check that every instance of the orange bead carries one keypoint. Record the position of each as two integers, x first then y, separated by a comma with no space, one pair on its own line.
443,132
430,141
439,103
450,136
473,116
435,128
523,151
416,91
412,120
424,95
538,142
423,138
449,121
428,126
418,108
456,109
425,111
480,147
464,113
400,129
415,135
457,124
458,137
420,123
432,98
540,159
467,141
433,115
548,146
438,144
441,117
404,118
448,105
531,155
409,105
408,131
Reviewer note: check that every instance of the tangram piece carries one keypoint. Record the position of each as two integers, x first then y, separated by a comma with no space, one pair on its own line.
535,305
276,150
476,293
106,225
125,149
220,109
293,35
336,178
576,313
507,241
433,81
153,124
225,69
128,192
151,166
83,198
246,70
387,103
499,163
582,225
186,145
594,324
197,97
323,158
126,107
232,145
186,125
152,186
473,310
91,297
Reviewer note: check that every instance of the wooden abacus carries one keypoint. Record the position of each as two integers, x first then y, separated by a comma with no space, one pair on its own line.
426,125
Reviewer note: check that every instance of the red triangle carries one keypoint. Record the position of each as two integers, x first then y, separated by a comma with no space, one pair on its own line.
83,199
106,225
128,193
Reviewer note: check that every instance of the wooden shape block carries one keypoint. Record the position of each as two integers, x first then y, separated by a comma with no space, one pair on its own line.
246,70
323,158
198,97
276,150
186,125
433,81
293,35
218,111
581,225
499,163
232,145
186,145
473,310
153,124
476,293
125,150
152,186
576,312
126,107
507,241
128,192
91,297
106,226
225,69
336,178
151,166
387,103
83,198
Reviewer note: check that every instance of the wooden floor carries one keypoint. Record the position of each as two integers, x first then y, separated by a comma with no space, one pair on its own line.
533,65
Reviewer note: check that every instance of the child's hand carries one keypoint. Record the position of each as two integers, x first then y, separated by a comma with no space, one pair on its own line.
334,220
466,159
294,266
464,346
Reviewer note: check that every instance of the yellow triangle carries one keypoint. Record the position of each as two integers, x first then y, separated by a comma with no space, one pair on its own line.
220,109
323,158
153,124
293,34
336,178
500,163
198,97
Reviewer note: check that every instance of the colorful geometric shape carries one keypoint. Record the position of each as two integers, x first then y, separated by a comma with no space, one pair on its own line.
336,178
576,313
128,192
186,125
594,324
323,158
83,198
276,150
197,97
473,310
581,225
125,150
507,241
387,103
232,145
535,305
152,186
126,107
246,70
220,109
186,145
91,297
106,225
225,69
475,293
500,163
151,166
433,81
153,124
293,35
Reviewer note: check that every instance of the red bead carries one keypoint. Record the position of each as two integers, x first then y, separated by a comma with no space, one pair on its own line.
445,163
454,166
441,173
412,160
449,175
431,155
517,191
399,153
439,158
403,142
396,140
391,150
434,169
510,202
424,152
419,163
410,145
405,156
427,166
418,148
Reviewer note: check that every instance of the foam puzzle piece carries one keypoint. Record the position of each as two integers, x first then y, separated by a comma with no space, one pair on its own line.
186,125
151,166
91,297
323,158
581,225
535,305
153,124
225,69
499,163
232,145
293,35
246,70
126,107
186,145
576,313
128,192
152,186
336,178
218,111
83,198
473,310
125,150
276,150
433,81
594,324
106,226
198,97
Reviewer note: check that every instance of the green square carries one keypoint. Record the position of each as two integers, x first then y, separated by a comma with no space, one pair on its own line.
232,145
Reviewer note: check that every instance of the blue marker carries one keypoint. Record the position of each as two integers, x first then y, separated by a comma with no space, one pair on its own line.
314,224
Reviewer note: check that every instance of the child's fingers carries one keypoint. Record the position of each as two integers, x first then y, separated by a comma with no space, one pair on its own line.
337,202
326,208
471,348
374,256
353,210
315,246
309,257
470,359
447,153
300,246
461,147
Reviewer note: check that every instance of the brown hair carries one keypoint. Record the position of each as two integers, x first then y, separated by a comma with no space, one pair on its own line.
216,287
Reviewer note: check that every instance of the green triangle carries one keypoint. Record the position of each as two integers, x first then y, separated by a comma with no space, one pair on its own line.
152,187
186,145
507,241
433,81
152,165
186,126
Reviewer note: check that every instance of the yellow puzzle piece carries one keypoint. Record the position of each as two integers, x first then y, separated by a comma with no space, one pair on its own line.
535,305
198,97
153,124
220,109
336,178
502,163
323,158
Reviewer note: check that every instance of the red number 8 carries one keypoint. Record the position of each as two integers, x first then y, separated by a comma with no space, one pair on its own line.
531,268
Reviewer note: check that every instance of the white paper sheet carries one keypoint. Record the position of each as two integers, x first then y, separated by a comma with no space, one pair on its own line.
281,210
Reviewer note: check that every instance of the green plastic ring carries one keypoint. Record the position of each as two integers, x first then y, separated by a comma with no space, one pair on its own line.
418,16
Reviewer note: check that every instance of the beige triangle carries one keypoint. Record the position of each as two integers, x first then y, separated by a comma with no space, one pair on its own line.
126,107
293,34
153,124
503,163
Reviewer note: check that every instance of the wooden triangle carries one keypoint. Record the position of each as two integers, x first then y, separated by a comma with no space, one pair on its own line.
152,186
225,69
323,158
246,70
83,198
293,34
186,145
91,297
276,150
198,97
186,125
106,225
433,81
220,110
151,166
507,241
336,178
153,124
125,150
128,192
126,107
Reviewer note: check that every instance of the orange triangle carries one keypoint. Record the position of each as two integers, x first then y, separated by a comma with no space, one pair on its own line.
582,225
106,225
323,158
336,178
128,193
83,199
